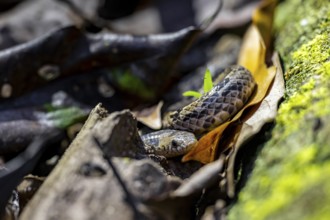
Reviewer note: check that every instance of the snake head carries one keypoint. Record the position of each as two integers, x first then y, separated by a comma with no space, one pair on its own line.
175,143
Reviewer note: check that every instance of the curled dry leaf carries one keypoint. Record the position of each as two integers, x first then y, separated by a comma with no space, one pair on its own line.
252,57
267,110
263,19
150,116
206,148
72,51
257,117
253,50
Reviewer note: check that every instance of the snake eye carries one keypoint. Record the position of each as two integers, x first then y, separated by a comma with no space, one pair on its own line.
174,143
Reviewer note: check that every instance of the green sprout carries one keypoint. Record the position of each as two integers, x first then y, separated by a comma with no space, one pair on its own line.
127,81
208,85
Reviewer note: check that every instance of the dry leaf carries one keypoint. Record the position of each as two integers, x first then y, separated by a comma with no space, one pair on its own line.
205,149
267,110
264,113
263,18
252,53
252,57
151,117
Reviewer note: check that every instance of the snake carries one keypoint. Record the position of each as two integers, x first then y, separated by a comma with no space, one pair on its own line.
212,109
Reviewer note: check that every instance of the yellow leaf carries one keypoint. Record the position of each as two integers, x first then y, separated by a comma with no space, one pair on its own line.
252,53
252,56
205,150
263,18
257,117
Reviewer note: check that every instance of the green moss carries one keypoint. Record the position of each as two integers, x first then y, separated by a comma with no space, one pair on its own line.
306,61
307,84
299,21
310,101
276,191
290,178
314,52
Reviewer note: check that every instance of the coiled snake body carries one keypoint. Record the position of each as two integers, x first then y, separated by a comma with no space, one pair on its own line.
209,111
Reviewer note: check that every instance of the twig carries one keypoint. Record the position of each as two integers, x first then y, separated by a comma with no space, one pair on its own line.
205,24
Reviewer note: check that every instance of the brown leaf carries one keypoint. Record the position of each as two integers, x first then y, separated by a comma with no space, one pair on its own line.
263,18
267,110
205,149
252,56
261,114
150,117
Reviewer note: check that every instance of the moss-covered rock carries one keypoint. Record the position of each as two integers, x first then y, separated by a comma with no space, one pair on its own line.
290,178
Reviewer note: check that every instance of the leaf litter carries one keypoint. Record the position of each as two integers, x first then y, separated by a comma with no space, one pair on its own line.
252,56
264,113
227,139
261,109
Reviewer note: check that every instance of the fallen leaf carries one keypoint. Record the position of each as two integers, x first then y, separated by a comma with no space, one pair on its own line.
71,51
206,148
263,18
252,57
257,117
252,53
203,150
267,110
150,116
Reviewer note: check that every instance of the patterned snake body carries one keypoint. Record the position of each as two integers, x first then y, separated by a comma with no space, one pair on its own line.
209,111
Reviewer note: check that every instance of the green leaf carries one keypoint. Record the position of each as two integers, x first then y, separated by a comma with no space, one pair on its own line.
208,84
192,93
127,81
64,117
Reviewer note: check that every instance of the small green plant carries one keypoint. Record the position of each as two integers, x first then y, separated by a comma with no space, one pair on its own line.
208,85
127,81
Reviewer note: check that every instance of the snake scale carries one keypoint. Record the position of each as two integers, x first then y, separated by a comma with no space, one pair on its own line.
207,112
